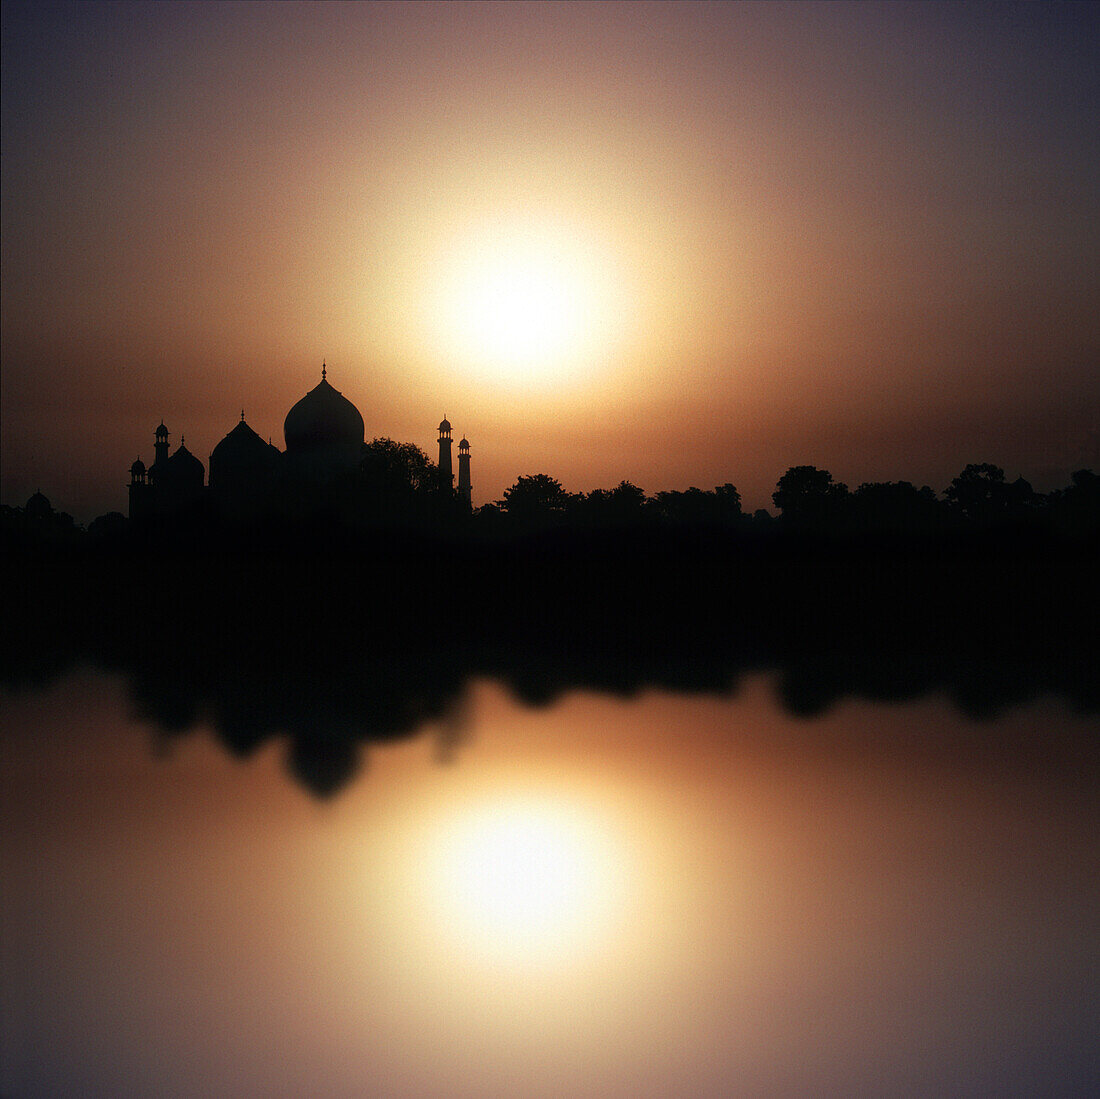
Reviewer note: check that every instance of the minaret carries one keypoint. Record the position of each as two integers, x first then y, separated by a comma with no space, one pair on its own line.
139,490
161,447
464,473
446,477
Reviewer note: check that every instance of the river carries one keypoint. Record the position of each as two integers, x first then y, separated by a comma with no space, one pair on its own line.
663,894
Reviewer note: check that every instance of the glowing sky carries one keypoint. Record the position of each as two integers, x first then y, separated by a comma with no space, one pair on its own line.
862,237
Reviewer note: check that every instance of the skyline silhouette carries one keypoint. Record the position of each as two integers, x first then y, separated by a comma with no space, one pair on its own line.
668,246
394,484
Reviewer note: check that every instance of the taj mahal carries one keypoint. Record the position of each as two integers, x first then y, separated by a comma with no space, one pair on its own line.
250,478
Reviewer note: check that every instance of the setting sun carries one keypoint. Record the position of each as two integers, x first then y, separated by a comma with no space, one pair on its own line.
526,304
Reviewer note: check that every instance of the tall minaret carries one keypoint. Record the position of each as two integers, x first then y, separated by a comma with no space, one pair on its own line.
464,485
139,490
446,477
160,446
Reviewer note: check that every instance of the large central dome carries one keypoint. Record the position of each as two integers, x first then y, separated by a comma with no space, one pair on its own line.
323,419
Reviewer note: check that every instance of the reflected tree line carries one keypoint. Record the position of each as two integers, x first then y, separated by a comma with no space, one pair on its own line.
330,637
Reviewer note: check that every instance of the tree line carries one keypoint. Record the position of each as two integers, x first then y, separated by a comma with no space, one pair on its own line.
808,499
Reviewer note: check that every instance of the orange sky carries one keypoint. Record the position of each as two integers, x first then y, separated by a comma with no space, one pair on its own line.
860,237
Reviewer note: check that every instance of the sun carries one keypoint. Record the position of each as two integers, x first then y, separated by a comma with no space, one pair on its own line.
526,303
521,308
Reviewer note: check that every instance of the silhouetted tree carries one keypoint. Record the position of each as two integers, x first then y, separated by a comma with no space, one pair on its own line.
729,499
536,497
896,506
397,467
977,492
395,482
623,504
680,505
982,495
695,507
808,495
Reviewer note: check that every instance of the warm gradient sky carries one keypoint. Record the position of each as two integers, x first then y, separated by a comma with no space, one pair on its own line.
863,237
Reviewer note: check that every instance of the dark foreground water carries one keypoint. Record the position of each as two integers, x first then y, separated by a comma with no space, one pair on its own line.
668,895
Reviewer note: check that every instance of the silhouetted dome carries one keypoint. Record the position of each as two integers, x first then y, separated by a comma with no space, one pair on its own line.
161,429
445,426
241,444
464,443
137,468
183,465
38,507
323,418
243,472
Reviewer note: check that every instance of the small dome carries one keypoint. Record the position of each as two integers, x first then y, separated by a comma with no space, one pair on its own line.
242,457
323,417
241,442
445,425
161,429
183,464
464,443
38,506
137,468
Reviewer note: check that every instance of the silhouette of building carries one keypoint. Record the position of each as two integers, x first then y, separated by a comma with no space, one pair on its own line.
446,477
173,484
37,522
140,491
323,433
244,474
465,489
38,507
249,478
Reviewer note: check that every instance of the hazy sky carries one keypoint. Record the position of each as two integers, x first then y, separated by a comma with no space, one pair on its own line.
671,243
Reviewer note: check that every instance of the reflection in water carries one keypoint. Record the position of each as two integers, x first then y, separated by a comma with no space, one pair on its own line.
524,876
332,657
891,904
648,872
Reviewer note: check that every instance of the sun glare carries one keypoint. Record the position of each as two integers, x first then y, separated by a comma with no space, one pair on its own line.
527,305
526,879
519,307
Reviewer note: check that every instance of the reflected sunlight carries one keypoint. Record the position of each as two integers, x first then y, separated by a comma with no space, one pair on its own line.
526,879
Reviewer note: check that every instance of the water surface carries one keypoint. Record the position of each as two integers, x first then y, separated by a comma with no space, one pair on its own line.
669,894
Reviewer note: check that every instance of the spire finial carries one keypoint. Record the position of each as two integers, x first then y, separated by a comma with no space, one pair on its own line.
242,415
324,370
